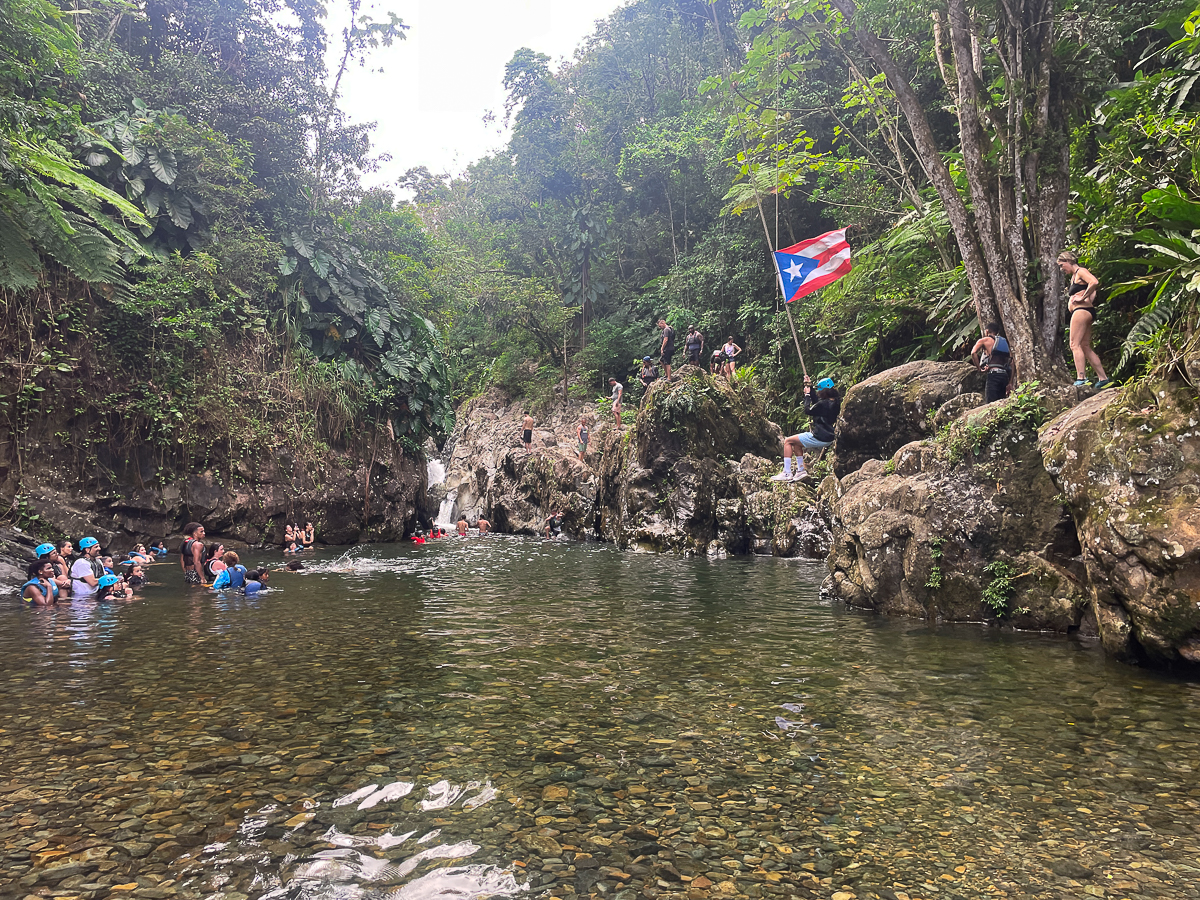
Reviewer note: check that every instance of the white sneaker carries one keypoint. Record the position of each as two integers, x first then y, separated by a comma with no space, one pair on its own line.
802,475
782,476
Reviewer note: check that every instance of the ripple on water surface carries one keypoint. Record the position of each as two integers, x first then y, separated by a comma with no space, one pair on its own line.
495,717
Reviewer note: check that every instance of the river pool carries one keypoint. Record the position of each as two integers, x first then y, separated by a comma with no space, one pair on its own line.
496,717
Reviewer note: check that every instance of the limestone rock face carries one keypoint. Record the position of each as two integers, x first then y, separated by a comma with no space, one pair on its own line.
886,411
1128,464
915,536
693,475
489,472
347,498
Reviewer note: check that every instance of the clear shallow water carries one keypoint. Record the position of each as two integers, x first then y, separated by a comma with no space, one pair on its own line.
504,717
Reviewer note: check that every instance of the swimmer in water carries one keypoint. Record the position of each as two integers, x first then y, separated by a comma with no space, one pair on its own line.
484,526
462,527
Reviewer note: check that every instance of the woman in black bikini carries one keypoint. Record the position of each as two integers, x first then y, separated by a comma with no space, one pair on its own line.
1081,307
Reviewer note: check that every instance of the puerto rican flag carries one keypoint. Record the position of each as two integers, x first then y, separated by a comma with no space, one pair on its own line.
812,264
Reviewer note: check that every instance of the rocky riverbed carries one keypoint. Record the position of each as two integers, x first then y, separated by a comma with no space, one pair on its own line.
506,717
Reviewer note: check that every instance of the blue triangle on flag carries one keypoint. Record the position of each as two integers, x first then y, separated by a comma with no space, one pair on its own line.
793,269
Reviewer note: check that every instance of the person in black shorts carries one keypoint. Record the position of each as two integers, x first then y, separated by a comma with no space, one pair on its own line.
668,346
527,431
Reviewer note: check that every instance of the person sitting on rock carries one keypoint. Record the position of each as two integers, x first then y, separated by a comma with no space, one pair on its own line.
822,413
991,354
554,524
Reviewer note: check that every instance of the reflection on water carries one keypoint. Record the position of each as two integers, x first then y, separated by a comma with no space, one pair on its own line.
486,717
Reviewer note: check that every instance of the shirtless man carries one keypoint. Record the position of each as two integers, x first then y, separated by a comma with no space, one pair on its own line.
191,554
462,526
484,526
527,431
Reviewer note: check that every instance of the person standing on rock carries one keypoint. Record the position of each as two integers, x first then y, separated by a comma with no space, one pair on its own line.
730,350
581,437
991,353
1081,307
822,413
191,554
694,345
618,390
668,346
527,431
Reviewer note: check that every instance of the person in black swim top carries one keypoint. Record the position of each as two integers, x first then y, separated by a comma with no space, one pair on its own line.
991,353
1081,310
694,345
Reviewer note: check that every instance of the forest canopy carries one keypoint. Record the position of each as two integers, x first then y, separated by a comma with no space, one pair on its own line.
185,225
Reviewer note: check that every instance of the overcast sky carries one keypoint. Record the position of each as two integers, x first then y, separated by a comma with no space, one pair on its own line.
429,101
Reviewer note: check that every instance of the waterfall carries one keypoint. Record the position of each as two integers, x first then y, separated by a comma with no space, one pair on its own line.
436,472
445,514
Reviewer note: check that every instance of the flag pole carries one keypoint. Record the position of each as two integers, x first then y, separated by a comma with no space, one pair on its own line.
787,307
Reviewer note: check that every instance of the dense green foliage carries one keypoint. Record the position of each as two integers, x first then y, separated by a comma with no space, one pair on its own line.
650,175
186,255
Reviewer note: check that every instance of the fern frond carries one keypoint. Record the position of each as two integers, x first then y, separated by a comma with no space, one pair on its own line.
19,263
1156,316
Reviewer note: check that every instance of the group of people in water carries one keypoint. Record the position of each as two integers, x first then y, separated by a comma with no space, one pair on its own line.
58,572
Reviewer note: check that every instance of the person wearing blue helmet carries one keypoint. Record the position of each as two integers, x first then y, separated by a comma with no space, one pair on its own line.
822,410
87,570
61,577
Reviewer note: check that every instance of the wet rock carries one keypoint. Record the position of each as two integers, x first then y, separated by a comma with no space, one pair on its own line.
693,475
1128,463
1068,868
886,411
915,536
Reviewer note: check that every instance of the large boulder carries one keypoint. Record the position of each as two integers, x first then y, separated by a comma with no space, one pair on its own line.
490,474
693,475
965,527
886,411
1128,464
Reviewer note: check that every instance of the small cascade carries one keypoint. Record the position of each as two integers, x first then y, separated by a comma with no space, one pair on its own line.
445,514
436,472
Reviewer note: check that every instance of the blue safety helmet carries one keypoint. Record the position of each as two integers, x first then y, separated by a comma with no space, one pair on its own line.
645,359
44,550
824,384
88,542
108,580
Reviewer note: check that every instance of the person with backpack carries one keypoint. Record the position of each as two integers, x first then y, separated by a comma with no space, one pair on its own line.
992,355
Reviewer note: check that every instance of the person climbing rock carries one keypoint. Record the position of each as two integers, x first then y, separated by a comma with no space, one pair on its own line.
618,390
581,437
991,354
822,410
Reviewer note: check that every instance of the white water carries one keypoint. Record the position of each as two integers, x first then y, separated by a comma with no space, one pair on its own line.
436,472
445,514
